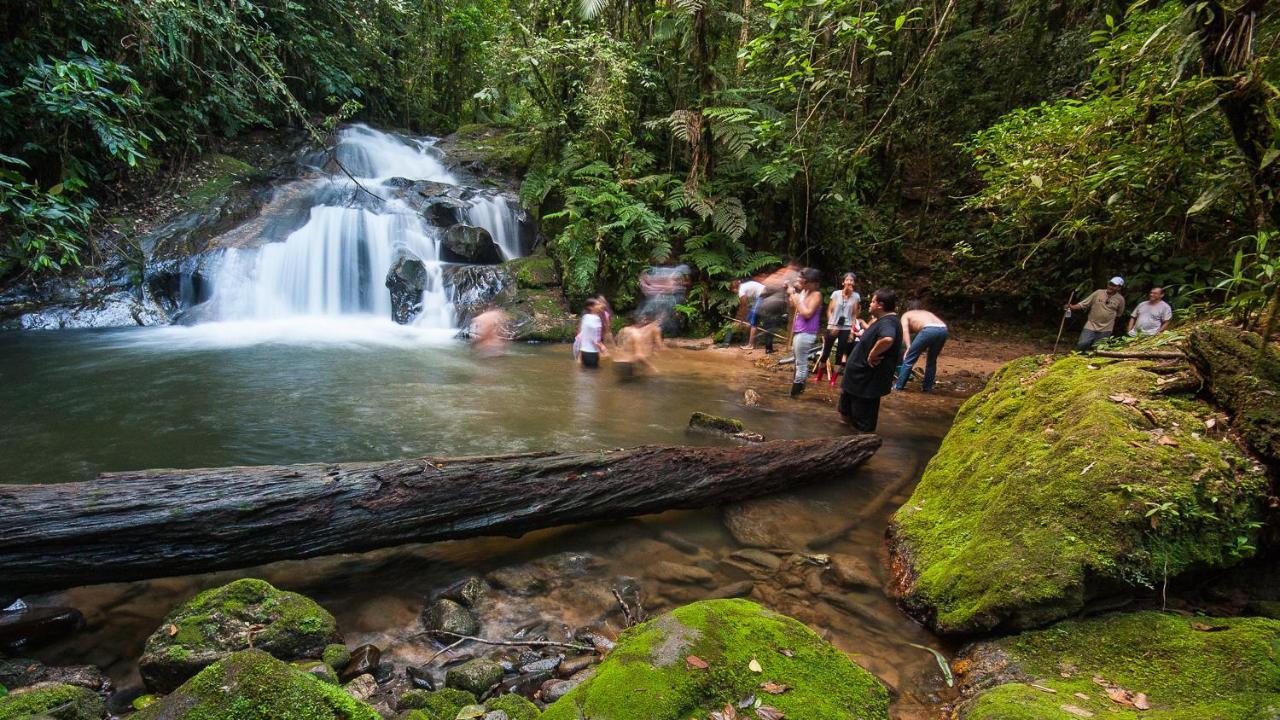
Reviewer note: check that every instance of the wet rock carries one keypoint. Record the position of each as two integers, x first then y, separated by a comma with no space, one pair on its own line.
474,288
668,571
766,560
679,542
254,679
420,677
715,423
63,702
496,715
469,592
406,281
22,672
447,619
553,690
515,706
526,684
364,660
444,703
739,589
823,682
772,522
851,572
444,211
519,580
462,243
362,687
318,669
475,677
233,617
573,665
542,665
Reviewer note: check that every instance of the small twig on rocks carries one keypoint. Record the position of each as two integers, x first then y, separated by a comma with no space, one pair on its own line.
626,611
445,650
517,643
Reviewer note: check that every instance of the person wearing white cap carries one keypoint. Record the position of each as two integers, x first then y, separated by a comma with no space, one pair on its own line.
1104,307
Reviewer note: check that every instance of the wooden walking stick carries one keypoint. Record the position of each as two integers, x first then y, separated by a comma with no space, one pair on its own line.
1063,324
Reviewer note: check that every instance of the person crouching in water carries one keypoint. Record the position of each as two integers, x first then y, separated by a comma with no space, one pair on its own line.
842,320
868,376
634,345
930,334
489,332
588,346
807,301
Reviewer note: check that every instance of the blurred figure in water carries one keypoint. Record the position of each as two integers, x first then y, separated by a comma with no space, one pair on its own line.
772,308
663,288
588,346
489,332
636,344
606,317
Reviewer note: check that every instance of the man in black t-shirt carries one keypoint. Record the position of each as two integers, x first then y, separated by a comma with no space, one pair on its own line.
868,375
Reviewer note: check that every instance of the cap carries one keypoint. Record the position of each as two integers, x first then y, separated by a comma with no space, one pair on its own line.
1117,280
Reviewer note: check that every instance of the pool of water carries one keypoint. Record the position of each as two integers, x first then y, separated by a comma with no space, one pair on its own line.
76,403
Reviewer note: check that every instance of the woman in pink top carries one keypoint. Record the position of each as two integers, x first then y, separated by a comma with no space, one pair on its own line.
804,331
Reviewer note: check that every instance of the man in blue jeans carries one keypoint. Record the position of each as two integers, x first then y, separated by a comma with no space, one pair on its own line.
923,332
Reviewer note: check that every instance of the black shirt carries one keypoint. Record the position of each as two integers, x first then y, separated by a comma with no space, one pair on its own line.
862,380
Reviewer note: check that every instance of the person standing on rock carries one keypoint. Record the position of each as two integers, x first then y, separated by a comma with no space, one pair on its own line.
842,320
868,375
588,346
1152,315
930,335
1104,307
807,302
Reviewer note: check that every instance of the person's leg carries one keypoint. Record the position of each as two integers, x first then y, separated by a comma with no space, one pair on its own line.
824,360
1087,339
801,344
937,338
843,346
866,413
908,362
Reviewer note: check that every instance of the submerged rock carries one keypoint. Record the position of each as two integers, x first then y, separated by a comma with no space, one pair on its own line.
1114,666
22,672
447,618
255,686
363,660
246,613
469,592
698,658
1062,481
475,676
63,702
36,625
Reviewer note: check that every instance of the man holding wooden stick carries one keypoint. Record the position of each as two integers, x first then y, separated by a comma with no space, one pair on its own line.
1104,307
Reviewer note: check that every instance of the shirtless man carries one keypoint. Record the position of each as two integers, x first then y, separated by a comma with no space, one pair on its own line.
635,344
923,332
488,332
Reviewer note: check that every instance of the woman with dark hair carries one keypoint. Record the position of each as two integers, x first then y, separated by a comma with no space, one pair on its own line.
807,301
842,320
589,344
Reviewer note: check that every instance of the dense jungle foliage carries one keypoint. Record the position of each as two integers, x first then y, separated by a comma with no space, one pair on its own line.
984,154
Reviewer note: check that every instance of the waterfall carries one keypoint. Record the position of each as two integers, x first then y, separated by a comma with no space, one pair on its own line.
494,214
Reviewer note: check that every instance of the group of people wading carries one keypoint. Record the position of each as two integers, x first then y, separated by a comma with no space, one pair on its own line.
865,354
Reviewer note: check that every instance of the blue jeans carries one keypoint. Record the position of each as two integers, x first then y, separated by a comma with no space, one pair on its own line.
930,340
1088,338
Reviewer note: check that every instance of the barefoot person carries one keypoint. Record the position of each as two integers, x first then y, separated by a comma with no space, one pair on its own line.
1104,307
807,301
924,334
868,375
749,294
635,345
842,318
588,346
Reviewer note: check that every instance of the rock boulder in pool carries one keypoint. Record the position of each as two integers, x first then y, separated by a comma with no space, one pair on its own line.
469,244
220,621
1063,481
406,281
252,685
446,619
1177,667
64,702
698,658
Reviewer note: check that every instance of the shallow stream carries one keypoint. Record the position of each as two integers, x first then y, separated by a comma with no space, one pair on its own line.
76,403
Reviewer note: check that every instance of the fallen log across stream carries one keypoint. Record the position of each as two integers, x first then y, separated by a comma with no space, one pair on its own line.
159,523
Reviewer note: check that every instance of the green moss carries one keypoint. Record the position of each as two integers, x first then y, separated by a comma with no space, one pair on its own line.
252,685
441,704
336,656
1046,488
535,272
222,173
716,423
72,702
144,701
515,706
498,149
178,653
1186,673
646,677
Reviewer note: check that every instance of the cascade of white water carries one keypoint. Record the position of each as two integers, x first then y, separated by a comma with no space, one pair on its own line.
494,214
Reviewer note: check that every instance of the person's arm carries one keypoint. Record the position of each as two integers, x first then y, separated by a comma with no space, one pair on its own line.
1168,318
878,350
1133,320
809,305
906,332
831,315
1083,303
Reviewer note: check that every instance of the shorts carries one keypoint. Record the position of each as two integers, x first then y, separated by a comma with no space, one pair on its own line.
589,359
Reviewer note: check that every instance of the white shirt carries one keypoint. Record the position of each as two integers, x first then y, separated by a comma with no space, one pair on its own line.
589,332
1150,316
750,289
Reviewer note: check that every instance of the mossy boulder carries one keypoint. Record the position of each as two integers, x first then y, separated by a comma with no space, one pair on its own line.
56,700
1242,379
715,423
475,676
252,685
246,613
515,706
535,272
488,149
1184,668
1062,481
655,673
441,704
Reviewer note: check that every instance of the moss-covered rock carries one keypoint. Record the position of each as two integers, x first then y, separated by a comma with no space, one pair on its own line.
63,702
535,272
1242,379
336,656
488,149
515,706
475,676
649,676
1186,669
1062,480
715,423
252,685
215,623
441,704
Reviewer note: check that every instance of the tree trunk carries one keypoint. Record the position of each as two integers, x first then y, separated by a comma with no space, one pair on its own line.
155,523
